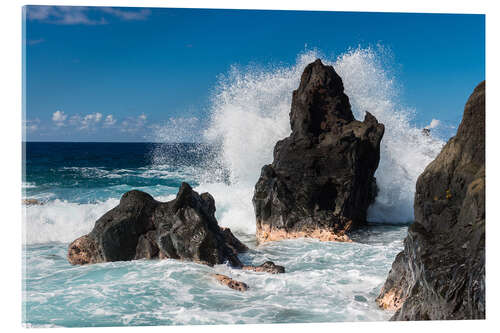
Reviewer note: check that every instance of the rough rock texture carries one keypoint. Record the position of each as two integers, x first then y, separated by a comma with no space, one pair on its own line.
141,227
233,284
268,267
321,181
440,273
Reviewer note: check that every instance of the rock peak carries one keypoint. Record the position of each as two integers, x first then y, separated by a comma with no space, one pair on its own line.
319,104
321,181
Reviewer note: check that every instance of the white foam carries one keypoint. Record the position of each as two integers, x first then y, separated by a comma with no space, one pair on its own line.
234,208
61,221
405,152
28,185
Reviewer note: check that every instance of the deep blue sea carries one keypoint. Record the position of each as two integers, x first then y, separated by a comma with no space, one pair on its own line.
78,182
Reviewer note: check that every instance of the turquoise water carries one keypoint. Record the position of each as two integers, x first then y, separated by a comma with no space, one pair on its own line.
324,281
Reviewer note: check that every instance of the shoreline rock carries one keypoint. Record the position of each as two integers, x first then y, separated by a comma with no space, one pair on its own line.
266,234
184,229
321,180
440,274
141,227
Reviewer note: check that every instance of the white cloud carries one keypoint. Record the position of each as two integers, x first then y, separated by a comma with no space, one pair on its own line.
109,120
133,124
32,125
88,121
127,15
71,15
59,117
434,123
66,15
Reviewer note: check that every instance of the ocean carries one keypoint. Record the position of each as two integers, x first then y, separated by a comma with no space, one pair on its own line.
76,183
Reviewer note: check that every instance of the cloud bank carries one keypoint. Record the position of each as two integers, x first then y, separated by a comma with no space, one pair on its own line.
73,15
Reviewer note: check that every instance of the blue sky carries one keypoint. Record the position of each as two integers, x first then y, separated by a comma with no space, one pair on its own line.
113,74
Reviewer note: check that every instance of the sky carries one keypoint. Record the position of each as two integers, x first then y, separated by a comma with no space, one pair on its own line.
123,74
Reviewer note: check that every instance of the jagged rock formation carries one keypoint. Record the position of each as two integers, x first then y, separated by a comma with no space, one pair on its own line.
141,227
321,181
440,273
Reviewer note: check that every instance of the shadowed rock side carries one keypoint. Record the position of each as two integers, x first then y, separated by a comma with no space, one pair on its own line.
440,273
141,227
321,181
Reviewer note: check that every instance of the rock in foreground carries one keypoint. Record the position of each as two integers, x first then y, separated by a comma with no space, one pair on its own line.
141,227
440,274
321,181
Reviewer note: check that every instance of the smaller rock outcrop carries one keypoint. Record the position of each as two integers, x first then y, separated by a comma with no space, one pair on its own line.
440,274
321,181
233,284
268,267
185,228
31,202
141,227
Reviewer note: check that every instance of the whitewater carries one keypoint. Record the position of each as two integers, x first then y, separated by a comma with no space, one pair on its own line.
248,114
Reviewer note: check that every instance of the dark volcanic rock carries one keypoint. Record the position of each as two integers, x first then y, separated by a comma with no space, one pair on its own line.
268,267
321,181
141,227
440,274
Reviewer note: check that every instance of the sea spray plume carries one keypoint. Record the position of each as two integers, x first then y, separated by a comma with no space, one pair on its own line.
404,150
250,113
198,160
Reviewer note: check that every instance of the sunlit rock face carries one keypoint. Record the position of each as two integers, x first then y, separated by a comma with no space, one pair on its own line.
440,274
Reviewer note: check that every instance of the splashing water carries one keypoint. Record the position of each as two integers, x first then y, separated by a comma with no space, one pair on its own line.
250,113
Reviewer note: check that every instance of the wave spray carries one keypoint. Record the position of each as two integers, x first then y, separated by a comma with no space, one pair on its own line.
250,113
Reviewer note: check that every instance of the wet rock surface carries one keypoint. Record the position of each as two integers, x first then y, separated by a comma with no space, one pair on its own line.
268,267
141,227
321,181
233,284
441,272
